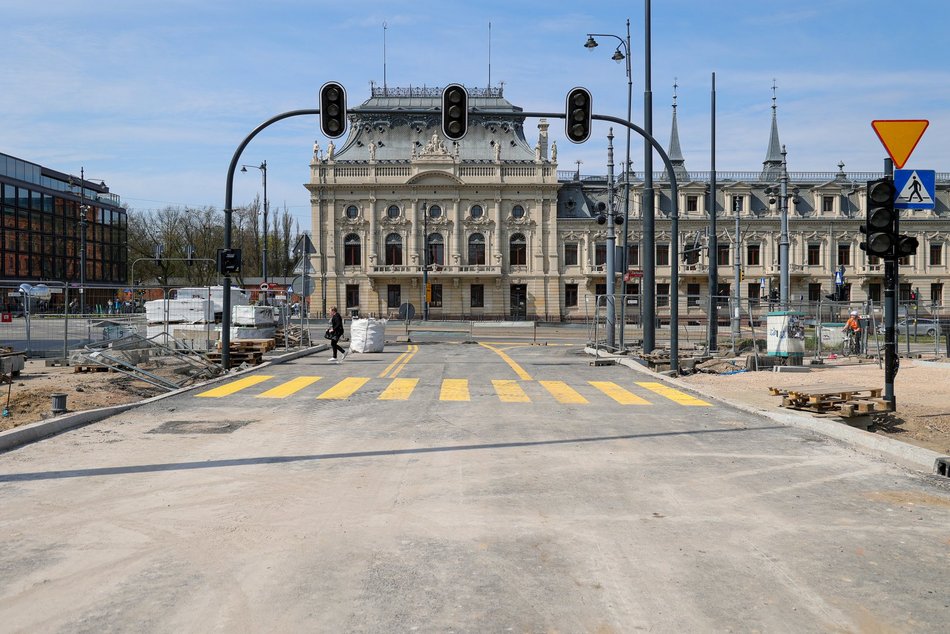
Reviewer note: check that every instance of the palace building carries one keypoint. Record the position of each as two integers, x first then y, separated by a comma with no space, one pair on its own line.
507,235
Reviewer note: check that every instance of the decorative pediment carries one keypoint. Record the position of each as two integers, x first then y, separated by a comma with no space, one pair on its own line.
572,236
737,186
400,221
484,222
353,223
433,177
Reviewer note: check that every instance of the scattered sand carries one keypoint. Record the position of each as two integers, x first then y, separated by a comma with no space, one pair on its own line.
922,391
30,397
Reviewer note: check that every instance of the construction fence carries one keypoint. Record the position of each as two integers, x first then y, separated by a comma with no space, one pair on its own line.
921,328
48,320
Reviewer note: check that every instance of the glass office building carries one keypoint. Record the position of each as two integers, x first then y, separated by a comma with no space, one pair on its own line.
45,214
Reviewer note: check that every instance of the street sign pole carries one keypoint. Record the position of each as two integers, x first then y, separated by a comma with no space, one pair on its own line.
890,315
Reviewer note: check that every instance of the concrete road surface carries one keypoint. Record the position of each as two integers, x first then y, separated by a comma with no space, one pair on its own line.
462,488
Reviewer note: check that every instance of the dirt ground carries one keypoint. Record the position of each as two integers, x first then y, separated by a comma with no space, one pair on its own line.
922,390
30,394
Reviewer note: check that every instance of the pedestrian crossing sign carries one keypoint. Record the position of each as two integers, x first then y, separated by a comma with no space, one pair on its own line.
915,189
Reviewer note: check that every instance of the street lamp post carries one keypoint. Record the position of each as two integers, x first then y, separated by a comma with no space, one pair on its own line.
425,262
83,223
263,168
618,57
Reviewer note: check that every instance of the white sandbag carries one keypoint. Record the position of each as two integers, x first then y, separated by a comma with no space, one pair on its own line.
367,335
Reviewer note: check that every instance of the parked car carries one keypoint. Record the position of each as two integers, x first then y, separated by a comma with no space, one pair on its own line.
922,327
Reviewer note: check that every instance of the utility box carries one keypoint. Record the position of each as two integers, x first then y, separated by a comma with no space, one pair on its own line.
786,335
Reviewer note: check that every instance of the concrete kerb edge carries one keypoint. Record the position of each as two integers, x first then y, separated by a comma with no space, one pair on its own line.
906,455
26,434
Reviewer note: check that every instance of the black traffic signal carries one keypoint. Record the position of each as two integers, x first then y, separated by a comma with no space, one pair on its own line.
332,109
189,255
881,225
906,245
601,208
229,261
577,115
454,111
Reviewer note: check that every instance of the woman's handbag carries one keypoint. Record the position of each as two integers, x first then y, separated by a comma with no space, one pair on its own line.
328,334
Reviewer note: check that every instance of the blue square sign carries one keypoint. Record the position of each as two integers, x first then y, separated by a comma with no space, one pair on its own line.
914,189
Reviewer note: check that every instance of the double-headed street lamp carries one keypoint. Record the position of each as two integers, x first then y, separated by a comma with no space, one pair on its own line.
83,224
618,57
263,168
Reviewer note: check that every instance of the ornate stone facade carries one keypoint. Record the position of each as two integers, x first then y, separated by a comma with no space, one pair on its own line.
510,236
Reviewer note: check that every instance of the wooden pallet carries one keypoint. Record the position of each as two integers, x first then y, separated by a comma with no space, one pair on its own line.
838,400
238,357
253,345
91,368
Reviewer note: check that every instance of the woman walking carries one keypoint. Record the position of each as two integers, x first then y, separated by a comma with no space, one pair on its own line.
335,332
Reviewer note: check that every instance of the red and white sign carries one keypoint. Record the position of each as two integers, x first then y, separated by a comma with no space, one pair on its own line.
630,275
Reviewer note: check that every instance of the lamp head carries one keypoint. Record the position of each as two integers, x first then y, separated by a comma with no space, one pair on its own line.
244,169
618,56
591,43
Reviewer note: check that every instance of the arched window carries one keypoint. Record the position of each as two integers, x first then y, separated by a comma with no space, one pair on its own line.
517,211
476,249
351,250
436,246
394,249
393,212
517,250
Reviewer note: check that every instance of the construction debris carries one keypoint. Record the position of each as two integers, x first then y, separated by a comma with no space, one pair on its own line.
839,400
161,361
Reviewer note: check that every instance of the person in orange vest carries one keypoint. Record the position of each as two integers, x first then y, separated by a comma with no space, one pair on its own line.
853,327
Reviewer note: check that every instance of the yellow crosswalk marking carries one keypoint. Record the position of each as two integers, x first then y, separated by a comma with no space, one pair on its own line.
509,391
619,394
290,387
235,386
345,388
563,392
454,390
399,390
674,395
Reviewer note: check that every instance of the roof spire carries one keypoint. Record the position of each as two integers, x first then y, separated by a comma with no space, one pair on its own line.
771,166
675,153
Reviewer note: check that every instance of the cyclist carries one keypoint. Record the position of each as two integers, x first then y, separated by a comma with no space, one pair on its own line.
852,331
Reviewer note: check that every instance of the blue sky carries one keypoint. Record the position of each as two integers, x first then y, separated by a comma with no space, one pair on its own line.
154,97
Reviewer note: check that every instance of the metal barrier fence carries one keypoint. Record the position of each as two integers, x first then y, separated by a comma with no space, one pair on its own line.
921,329
42,319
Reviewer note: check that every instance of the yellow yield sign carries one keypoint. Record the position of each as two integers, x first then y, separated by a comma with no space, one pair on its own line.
900,137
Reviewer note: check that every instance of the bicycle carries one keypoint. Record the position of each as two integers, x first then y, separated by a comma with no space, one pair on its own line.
851,346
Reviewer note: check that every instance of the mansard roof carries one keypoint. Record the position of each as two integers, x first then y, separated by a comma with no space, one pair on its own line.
399,137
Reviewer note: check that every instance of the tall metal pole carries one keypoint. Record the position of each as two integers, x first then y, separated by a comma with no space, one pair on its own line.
890,315
712,253
611,244
783,237
425,262
649,224
83,222
264,250
625,261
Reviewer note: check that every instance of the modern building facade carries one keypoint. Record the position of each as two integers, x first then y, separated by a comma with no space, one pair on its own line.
505,234
49,218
